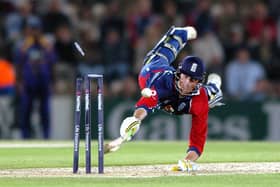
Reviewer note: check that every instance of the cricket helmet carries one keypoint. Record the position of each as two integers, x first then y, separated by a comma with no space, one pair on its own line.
193,67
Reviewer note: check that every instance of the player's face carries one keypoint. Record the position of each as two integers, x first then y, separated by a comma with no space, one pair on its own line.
187,84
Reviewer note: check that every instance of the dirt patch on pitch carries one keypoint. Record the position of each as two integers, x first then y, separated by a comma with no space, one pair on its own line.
148,170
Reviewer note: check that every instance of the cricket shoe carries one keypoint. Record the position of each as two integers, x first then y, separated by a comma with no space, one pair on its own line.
214,91
185,166
191,32
215,79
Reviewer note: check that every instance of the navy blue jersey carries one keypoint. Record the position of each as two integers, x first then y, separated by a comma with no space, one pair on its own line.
159,76
169,99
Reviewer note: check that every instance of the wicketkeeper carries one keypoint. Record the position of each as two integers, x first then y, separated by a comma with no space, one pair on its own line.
178,92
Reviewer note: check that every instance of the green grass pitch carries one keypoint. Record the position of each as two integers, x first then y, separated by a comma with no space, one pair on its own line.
34,154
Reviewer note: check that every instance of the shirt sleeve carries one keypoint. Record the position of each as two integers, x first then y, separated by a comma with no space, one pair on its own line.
148,103
199,111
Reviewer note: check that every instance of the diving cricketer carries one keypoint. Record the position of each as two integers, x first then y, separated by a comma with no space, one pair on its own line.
177,91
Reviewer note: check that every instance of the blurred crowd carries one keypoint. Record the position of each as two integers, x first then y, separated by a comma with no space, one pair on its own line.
240,40
237,39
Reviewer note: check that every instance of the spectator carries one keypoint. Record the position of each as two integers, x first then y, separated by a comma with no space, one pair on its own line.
15,21
34,60
7,78
228,19
116,56
268,53
210,49
245,78
7,89
139,17
256,23
55,17
153,33
200,17
66,69
235,39
170,14
64,46
89,37
91,62
138,24
113,20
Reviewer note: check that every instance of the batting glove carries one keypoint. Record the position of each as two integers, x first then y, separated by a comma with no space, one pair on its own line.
186,166
129,127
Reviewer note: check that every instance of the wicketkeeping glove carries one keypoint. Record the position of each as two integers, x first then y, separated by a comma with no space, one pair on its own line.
129,127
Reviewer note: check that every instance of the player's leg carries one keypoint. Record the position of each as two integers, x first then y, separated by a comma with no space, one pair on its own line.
164,53
171,44
45,115
26,105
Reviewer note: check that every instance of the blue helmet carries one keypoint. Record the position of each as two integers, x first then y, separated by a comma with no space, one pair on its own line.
193,67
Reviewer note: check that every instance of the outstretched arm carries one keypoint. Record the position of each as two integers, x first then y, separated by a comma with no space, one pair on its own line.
140,113
129,127
198,134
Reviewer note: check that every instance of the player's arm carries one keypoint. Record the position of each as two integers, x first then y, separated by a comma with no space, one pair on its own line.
210,96
140,113
199,110
131,125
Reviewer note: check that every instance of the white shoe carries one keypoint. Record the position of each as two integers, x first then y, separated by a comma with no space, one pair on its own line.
214,91
191,32
215,79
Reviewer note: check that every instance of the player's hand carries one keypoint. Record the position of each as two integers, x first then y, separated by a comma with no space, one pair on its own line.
185,166
129,127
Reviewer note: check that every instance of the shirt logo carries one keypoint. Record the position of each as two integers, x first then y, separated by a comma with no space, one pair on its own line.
194,67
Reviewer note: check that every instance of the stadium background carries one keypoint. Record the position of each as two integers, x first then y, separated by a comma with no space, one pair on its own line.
117,34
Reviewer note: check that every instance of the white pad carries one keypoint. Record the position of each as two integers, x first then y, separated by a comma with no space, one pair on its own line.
129,127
